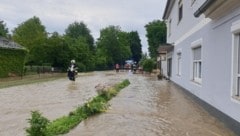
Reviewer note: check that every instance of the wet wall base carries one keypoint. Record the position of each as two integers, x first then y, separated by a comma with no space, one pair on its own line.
228,121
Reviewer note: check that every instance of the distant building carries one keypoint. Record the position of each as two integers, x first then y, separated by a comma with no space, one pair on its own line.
164,60
206,55
12,56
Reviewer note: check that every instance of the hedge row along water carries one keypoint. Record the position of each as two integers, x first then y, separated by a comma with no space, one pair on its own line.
41,126
12,62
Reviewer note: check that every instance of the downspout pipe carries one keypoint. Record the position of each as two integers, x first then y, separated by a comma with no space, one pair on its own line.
204,7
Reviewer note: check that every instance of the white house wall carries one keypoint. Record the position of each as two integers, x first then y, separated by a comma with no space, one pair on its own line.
164,68
188,21
216,46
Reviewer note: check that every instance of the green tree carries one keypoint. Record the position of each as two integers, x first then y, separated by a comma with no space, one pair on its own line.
113,45
135,45
81,44
156,34
125,51
79,30
55,51
54,39
62,55
30,33
3,29
100,60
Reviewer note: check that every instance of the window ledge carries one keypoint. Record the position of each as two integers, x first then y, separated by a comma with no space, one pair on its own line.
199,83
236,97
178,75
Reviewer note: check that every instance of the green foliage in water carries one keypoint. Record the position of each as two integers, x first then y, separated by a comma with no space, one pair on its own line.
96,105
38,125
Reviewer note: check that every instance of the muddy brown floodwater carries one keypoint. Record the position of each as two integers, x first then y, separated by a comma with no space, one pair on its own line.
147,107
53,99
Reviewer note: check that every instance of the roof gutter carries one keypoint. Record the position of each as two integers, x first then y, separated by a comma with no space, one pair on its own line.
168,7
204,7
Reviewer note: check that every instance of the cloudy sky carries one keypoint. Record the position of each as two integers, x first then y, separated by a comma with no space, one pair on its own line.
56,15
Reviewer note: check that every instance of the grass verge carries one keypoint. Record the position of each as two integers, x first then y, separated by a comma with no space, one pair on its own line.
9,82
64,124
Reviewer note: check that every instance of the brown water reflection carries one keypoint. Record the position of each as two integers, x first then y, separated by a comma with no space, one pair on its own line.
152,108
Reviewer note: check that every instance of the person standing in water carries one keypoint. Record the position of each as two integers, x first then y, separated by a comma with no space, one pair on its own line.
72,70
117,67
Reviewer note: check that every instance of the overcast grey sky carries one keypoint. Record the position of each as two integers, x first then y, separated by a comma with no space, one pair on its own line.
56,15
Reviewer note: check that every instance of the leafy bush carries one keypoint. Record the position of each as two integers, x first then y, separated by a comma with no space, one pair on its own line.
64,124
148,65
97,105
38,125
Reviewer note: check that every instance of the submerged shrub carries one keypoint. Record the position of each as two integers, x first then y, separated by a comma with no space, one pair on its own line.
97,105
38,125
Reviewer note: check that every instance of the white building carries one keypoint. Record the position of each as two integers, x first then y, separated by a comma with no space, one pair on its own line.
206,55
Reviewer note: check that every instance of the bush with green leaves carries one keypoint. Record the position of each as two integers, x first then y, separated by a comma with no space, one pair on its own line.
148,65
38,125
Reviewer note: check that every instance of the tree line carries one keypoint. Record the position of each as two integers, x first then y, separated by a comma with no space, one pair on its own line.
113,46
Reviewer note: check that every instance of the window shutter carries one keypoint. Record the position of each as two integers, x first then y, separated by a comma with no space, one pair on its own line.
197,53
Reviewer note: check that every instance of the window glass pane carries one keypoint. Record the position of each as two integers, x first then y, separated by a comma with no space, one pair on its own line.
238,46
169,26
238,87
200,69
178,63
180,12
197,53
195,69
178,66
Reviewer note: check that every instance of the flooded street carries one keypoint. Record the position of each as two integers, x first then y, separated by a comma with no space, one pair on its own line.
53,99
147,107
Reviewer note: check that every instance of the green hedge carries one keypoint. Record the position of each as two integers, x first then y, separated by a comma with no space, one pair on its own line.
11,62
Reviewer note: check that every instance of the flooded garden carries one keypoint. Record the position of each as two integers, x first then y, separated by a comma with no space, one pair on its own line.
147,107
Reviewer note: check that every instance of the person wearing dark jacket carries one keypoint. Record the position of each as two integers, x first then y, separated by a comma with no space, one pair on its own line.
72,70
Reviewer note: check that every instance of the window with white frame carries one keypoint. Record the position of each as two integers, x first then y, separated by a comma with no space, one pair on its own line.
236,60
179,63
180,10
197,64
